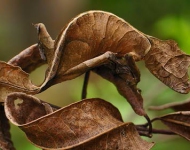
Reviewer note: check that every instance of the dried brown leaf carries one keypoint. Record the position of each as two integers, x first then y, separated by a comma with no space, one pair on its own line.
14,79
169,64
26,108
91,35
84,38
91,123
89,57
10,78
177,106
29,59
123,137
126,89
5,137
178,122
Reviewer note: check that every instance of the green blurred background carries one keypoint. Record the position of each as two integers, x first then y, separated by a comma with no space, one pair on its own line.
165,19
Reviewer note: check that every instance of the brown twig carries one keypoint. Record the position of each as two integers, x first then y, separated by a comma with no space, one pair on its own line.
149,124
85,84
145,132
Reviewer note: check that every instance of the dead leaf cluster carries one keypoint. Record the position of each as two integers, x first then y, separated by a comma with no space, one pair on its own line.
107,45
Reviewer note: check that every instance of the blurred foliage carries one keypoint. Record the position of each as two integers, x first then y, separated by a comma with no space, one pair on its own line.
180,30
163,19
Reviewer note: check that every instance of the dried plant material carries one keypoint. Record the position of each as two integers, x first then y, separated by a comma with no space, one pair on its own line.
29,59
115,38
125,88
96,42
169,64
126,80
106,44
83,40
128,139
14,79
94,37
86,37
90,123
177,106
26,108
178,123
5,137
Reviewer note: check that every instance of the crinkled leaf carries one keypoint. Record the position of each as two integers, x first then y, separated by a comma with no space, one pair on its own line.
88,124
28,59
178,123
5,137
129,91
122,137
169,64
14,79
86,37
26,108
177,106
10,78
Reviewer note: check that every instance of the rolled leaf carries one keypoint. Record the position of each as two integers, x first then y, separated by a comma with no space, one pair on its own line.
178,123
90,124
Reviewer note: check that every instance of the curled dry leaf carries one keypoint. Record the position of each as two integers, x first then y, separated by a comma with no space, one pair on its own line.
169,64
26,108
178,122
94,33
91,123
87,36
177,106
93,39
129,91
123,137
14,79
29,59
5,137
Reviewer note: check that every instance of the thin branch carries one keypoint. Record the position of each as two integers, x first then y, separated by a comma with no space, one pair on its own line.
169,105
149,124
145,131
85,84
